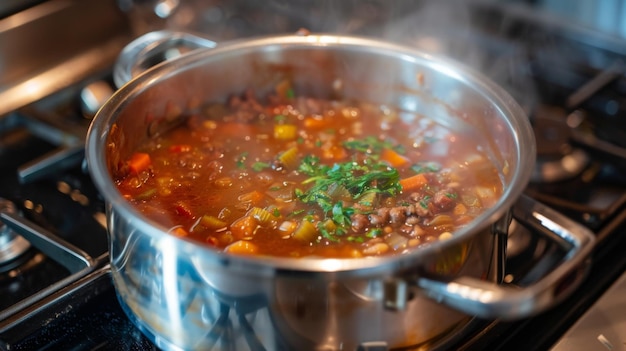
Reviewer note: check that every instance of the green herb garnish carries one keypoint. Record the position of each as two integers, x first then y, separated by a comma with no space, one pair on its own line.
259,166
241,159
357,178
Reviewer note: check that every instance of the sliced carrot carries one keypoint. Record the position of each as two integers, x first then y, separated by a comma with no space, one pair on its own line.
413,182
393,158
139,162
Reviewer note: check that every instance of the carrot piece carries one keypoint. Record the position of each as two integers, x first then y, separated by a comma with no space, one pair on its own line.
244,227
334,152
242,247
139,162
179,231
393,158
316,123
413,182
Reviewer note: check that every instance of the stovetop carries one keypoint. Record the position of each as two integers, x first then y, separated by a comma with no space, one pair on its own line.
58,293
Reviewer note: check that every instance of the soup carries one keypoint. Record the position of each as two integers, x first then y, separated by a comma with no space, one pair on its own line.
296,176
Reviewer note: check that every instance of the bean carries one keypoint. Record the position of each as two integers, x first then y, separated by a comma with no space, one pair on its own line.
397,215
359,222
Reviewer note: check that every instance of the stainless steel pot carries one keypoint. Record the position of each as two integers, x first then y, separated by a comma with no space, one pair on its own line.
183,295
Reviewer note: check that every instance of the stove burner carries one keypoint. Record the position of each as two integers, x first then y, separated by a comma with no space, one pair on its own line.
11,244
557,159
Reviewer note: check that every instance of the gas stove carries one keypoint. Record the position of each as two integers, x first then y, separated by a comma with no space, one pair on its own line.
55,284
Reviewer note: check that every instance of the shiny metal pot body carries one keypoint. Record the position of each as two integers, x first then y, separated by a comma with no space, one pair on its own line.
186,296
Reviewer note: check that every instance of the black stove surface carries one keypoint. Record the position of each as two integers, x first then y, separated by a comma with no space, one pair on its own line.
577,85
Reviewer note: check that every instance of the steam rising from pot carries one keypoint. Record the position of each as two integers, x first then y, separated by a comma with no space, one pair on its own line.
459,29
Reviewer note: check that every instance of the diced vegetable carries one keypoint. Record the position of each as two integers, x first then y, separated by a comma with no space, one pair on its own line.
287,227
334,152
440,220
211,222
317,122
393,158
305,231
139,162
179,231
263,217
242,247
459,209
285,131
289,158
146,194
338,192
182,209
368,199
413,182
397,241
244,227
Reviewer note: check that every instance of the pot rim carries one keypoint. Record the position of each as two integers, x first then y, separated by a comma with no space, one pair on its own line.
506,106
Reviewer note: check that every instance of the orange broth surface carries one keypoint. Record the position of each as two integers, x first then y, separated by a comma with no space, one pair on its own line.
296,176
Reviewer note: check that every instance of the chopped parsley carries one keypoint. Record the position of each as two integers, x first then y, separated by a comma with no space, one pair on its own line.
241,159
374,232
259,166
372,144
356,178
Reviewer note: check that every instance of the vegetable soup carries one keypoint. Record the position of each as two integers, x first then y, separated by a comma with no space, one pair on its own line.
297,176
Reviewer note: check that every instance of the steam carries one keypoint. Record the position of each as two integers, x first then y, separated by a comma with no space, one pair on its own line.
453,28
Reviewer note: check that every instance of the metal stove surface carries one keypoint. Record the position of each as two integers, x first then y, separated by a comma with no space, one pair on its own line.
603,326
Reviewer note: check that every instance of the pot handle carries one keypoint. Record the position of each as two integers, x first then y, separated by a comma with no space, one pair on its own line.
152,48
489,300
